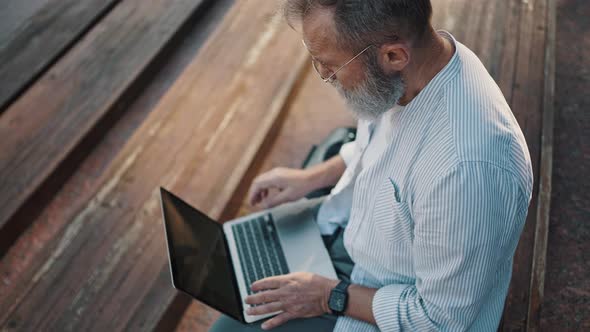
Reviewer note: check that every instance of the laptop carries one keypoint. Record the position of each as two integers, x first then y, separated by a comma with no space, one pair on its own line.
216,264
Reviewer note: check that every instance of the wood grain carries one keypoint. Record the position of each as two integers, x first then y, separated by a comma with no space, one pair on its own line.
41,39
46,124
198,142
29,252
14,13
537,284
527,104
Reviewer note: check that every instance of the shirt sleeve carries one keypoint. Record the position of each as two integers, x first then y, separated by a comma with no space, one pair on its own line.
466,225
347,151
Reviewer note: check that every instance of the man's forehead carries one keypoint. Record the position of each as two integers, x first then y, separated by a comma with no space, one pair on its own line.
319,31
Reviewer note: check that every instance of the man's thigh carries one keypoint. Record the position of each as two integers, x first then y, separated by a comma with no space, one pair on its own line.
319,324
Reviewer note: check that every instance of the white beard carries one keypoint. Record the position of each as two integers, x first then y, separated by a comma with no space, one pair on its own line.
375,96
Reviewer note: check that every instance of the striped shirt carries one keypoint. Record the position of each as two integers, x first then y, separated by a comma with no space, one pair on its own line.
433,221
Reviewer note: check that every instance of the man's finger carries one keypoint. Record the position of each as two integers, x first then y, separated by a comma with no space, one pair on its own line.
261,184
279,198
257,195
267,283
268,179
278,320
265,308
262,297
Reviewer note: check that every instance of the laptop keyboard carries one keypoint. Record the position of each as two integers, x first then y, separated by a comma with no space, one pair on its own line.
259,248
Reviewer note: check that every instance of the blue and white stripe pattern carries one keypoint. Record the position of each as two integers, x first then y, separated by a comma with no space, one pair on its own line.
435,219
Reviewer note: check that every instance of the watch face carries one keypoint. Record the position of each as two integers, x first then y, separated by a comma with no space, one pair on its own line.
337,301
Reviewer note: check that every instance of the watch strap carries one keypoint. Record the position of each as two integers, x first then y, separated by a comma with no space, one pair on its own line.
342,286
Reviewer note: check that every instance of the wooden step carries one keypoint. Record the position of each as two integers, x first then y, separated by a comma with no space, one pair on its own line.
14,14
107,269
29,253
42,133
39,40
534,94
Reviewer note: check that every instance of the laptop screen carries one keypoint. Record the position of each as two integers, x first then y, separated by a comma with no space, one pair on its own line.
199,257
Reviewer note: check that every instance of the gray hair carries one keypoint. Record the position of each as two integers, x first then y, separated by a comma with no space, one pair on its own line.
363,22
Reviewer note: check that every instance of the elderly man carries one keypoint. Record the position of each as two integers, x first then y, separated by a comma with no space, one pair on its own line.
432,194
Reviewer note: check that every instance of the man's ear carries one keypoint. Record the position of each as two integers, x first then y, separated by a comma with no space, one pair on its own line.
394,57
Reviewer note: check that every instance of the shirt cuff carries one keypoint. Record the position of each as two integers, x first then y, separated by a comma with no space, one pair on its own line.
347,151
386,306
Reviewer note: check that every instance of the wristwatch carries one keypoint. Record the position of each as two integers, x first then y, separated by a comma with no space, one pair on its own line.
339,298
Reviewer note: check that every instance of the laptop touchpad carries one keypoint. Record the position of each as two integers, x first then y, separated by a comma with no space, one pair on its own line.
301,239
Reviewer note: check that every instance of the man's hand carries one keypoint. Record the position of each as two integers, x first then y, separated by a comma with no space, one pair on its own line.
298,295
292,184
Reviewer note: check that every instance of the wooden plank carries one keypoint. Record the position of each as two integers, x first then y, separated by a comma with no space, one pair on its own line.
208,110
527,104
14,13
41,39
537,285
503,66
20,264
42,129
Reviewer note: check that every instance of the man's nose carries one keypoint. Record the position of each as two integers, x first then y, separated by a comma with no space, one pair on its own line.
324,71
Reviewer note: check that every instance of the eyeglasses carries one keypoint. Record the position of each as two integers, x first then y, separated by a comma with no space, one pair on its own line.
331,78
